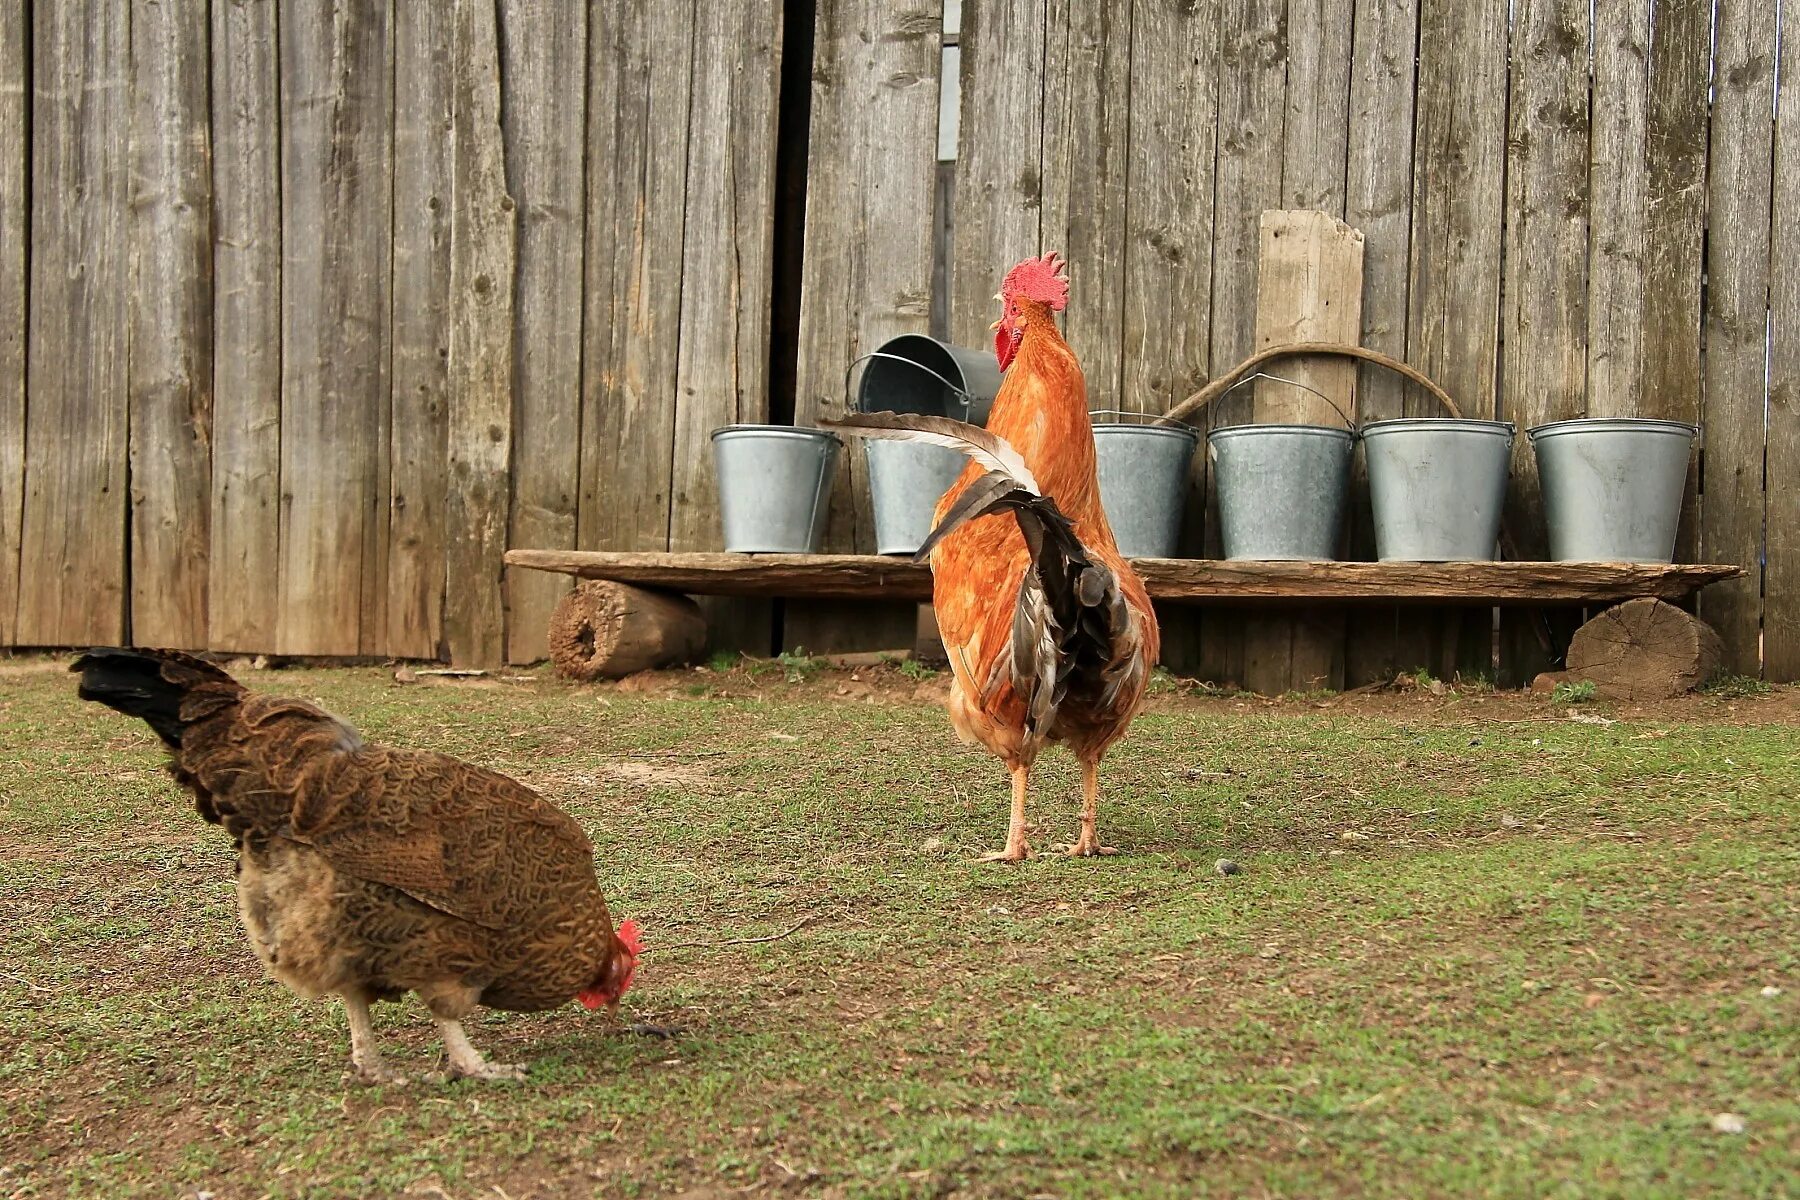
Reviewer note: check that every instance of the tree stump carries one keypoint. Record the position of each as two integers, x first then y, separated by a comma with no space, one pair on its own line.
1644,649
605,630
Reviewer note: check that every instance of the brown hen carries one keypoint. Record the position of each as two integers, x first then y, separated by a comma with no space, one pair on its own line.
367,871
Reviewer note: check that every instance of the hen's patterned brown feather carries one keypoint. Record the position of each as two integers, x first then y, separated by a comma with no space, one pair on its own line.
363,866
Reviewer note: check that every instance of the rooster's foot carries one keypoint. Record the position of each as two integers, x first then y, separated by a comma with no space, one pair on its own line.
1013,854
1088,848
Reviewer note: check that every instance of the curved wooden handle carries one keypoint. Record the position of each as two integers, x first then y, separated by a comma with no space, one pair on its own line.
1218,387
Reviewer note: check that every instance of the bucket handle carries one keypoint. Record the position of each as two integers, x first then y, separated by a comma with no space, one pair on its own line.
959,390
1348,423
1183,413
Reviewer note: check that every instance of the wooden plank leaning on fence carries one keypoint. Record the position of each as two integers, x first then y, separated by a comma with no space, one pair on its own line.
1309,288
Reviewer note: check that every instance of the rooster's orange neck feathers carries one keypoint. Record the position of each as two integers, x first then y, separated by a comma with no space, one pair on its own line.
1042,410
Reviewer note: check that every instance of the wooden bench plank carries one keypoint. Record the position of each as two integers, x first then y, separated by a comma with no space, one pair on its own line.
1181,580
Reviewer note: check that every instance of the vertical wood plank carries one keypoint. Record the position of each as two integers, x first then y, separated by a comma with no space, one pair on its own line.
336,202
15,140
1618,176
1168,245
1378,201
1675,229
418,453
1087,75
1544,376
722,376
1253,53
1453,290
1737,296
72,582
1316,127
244,581
1781,614
546,53
482,255
1309,288
868,258
999,168
170,382
640,77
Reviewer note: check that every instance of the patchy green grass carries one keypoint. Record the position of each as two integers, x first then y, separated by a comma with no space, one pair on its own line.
1476,949
1573,691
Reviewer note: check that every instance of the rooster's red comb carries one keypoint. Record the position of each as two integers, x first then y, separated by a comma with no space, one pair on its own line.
1040,279
628,934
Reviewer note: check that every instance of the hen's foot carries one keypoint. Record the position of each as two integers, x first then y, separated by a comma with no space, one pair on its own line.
375,1071
1013,854
486,1070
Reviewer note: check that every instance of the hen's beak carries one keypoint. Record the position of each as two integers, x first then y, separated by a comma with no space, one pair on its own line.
996,325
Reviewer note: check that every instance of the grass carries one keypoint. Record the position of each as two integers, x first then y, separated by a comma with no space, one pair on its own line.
1573,691
1476,949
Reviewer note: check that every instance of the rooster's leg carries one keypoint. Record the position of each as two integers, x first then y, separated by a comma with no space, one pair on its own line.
1089,842
1017,849
466,1061
365,1055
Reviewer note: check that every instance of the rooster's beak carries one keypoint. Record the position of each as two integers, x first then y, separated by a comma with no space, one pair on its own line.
996,325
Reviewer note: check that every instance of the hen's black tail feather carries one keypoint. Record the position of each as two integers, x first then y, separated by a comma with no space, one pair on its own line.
152,685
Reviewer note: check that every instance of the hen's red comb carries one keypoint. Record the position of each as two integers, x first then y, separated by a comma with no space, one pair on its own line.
628,934
1039,279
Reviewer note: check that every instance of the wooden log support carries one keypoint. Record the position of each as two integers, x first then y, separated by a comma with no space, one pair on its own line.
1642,650
605,630
1182,580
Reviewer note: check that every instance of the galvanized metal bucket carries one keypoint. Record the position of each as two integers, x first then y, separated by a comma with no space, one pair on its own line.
1438,486
1612,486
918,374
774,486
1281,489
1143,480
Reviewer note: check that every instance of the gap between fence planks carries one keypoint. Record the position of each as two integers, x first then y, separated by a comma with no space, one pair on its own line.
870,576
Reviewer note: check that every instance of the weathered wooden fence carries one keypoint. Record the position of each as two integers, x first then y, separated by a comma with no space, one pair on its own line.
307,311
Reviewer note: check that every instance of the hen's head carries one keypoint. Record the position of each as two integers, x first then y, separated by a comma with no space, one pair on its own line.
615,977
1034,281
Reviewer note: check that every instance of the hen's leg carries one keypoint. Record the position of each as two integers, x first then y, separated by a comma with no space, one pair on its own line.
466,1061
365,1056
1088,844
1017,849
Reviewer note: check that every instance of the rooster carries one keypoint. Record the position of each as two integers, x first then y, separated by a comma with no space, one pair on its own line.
1050,633
369,872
